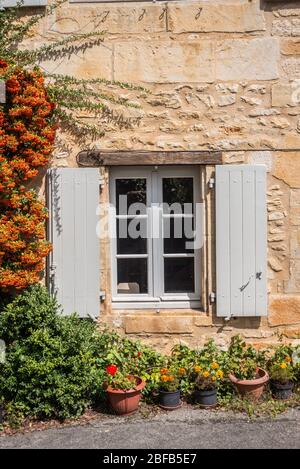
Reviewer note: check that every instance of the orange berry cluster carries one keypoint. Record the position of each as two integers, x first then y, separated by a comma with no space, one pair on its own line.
26,141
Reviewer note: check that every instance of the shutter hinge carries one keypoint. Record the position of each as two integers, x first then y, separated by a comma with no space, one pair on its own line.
212,297
211,183
102,295
101,183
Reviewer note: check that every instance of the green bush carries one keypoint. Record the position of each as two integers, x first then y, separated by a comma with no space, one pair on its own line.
50,369
55,365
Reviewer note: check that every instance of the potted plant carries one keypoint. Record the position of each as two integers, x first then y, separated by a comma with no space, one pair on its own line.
169,388
248,378
123,390
205,384
281,378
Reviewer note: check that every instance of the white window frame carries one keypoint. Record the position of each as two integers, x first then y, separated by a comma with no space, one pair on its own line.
154,298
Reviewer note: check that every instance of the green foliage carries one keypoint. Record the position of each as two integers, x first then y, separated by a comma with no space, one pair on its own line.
69,93
55,365
50,369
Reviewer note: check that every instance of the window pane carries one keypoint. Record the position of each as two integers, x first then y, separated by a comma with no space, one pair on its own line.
178,191
132,276
177,232
179,275
131,191
132,236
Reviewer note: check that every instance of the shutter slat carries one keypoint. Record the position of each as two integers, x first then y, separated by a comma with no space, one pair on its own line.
261,240
235,236
241,240
223,244
248,242
75,255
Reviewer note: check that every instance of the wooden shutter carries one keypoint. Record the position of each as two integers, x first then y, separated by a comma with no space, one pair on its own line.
241,240
26,3
74,267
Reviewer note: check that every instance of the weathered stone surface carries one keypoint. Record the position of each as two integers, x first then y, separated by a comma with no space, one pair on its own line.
295,198
295,216
284,309
295,27
281,94
252,101
234,157
291,333
239,59
226,100
290,46
117,19
261,157
158,324
281,27
164,62
94,62
291,67
275,264
286,168
215,17
203,320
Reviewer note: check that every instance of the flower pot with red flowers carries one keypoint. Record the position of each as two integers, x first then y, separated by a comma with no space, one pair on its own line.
282,377
169,388
248,378
205,379
123,390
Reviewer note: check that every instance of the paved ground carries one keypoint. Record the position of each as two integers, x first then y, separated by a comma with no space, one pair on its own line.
180,429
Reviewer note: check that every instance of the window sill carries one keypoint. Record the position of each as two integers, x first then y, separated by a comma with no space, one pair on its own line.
194,304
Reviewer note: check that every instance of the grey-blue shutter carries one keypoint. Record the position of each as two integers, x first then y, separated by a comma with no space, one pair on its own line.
25,3
241,240
74,275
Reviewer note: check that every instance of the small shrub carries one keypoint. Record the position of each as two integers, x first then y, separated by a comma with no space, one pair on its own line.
50,369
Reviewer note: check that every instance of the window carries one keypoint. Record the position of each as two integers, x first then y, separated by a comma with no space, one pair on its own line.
155,217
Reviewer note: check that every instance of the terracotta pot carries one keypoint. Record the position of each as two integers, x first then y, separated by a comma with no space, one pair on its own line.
125,402
251,388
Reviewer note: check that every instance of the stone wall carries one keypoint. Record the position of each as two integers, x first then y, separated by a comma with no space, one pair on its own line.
221,74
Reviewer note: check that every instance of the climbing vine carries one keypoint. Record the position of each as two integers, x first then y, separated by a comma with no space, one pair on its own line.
36,103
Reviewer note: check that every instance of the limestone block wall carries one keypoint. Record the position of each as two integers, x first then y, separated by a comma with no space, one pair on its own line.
219,74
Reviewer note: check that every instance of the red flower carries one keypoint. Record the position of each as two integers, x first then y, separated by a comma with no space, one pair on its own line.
112,369
139,354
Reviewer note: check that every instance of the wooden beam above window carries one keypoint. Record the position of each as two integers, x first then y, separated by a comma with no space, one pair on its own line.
94,158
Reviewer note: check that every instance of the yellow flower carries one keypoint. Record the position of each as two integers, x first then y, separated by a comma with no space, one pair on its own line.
206,374
197,369
214,365
283,365
220,374
182,371
213,378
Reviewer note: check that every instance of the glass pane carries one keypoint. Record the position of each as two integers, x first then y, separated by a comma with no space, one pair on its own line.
178,191
178,232
179,275
132,276
128,192
132,236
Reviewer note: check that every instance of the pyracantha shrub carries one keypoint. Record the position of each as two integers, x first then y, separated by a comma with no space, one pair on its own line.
27,135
